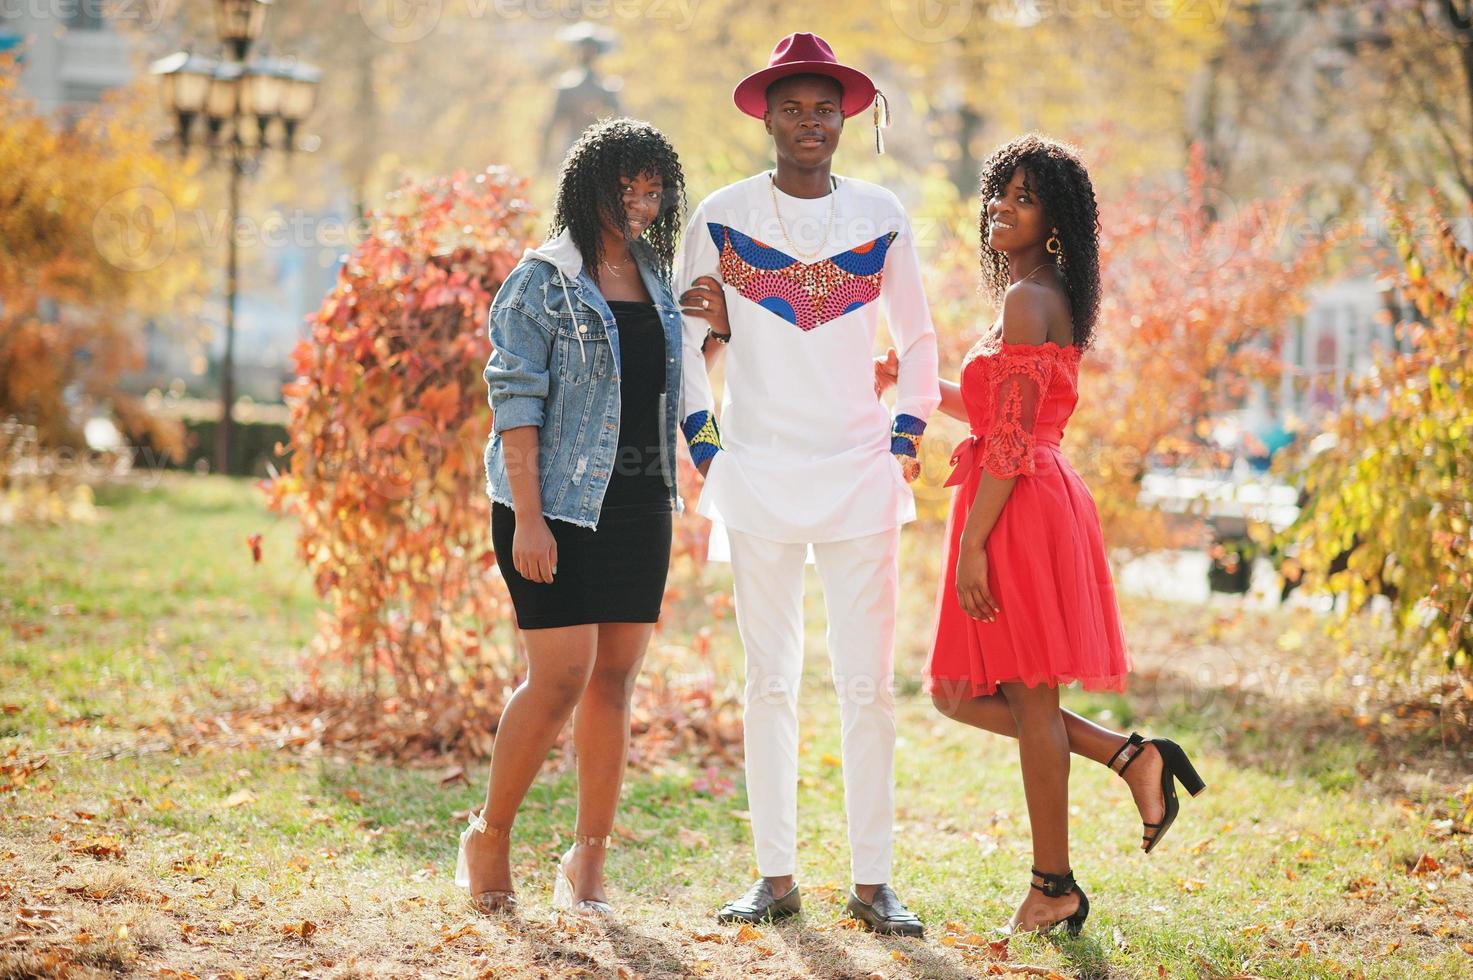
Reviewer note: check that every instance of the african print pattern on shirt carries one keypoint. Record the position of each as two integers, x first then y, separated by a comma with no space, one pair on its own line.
702,435
805,294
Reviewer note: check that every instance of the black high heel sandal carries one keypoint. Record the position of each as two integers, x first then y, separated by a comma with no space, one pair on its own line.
1057,886
1174,765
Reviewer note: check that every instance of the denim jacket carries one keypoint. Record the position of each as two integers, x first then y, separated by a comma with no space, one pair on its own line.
555,364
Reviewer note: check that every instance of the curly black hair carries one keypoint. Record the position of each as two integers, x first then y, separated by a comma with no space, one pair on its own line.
588,187
1062,184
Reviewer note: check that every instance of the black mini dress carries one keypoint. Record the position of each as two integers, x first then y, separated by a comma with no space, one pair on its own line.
614,573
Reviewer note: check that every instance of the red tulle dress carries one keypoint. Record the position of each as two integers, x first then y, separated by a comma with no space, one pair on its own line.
1057,619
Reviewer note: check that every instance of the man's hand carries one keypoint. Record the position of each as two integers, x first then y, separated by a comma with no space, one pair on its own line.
887,371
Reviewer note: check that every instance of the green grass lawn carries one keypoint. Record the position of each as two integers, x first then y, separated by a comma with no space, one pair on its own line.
161,838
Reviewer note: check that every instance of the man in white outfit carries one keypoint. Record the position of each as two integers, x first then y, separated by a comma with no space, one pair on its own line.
792,269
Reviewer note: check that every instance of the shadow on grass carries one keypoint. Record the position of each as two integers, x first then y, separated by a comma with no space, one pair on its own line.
1296,730
828,959
928,963
546,949
823,957
1300,731
646,955
1086,956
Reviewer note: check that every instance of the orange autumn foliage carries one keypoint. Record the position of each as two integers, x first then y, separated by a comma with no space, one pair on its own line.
88,249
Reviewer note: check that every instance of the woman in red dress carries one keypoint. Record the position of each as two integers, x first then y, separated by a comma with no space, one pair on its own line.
1026,603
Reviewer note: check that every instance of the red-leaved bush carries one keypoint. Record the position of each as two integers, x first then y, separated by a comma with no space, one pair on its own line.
388,420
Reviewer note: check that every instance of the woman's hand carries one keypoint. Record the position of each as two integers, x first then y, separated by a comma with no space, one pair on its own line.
534,550
705,300
971,582
887,371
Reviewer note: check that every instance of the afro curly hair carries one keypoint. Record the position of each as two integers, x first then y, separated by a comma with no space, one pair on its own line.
1059,178
588,187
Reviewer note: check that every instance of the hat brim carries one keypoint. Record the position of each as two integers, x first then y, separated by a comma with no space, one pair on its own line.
750,95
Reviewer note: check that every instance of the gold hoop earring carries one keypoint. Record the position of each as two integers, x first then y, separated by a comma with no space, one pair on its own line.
1053,246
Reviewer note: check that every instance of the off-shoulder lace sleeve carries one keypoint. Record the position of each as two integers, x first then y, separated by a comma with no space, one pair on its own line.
1018,378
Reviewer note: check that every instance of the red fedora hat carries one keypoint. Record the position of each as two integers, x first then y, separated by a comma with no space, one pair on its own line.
804,54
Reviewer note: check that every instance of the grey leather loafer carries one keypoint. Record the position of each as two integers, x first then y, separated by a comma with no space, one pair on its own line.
759,904
885,915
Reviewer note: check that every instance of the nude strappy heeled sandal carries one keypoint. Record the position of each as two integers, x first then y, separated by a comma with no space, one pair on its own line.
490,901
562,892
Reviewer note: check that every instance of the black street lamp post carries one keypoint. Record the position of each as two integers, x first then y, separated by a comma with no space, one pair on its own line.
240,106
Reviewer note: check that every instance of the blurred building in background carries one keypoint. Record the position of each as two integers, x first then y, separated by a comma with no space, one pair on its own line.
70,53
1349,323
1336,339
1269,104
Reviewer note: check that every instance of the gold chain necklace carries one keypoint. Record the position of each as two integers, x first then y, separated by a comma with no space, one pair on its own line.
1035,269
782,225
993,335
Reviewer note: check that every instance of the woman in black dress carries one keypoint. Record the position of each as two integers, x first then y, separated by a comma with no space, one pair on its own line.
583,384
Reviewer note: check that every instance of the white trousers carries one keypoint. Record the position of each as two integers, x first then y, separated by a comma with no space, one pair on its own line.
860,580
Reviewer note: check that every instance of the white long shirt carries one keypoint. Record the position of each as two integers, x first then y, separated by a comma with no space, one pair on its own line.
806,445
